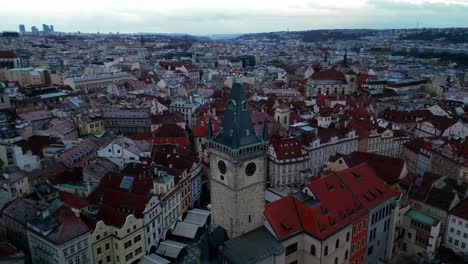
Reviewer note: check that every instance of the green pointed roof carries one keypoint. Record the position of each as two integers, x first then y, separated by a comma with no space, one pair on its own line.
237,130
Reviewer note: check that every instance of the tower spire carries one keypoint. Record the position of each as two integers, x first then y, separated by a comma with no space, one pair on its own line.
210,127
345,58
237,130
265,130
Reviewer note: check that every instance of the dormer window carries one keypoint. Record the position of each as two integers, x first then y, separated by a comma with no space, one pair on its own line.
244,106
232,105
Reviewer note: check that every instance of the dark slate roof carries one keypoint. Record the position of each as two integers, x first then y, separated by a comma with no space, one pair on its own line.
440,198
252,247
237,128
461,210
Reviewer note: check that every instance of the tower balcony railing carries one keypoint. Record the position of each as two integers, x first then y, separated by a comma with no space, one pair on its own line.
242,152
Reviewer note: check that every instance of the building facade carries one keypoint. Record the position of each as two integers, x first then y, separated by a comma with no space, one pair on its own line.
129,121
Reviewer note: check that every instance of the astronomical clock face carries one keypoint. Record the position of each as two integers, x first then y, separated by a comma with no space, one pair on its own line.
222,167
250,169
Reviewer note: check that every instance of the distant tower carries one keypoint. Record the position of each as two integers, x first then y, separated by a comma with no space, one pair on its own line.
51,28
237,169
345,59
22,29
283,115
34,30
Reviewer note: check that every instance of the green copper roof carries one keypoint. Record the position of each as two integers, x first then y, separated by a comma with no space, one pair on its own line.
73,187
237,130
421,217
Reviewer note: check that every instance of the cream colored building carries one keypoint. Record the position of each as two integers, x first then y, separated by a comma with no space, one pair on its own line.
27,76
98,82
118,245
91,124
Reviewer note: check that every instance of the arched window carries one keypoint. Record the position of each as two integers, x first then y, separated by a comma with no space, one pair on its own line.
347,237
336,260
346,255
325,252
337,244
312,250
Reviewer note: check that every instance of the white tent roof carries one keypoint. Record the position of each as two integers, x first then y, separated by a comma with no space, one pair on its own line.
170,248
187,230
154,259
197,217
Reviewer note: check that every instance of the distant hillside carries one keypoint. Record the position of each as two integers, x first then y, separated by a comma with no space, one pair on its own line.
312,35
449,35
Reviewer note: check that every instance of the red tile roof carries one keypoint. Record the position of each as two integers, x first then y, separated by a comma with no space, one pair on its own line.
461,210
404,116
333,208
387,168
417,144
169,131
339,207
366,185
70,226
328,75
167,118
7,55
201,127
283,217
288,148
441,122
72,200
113,200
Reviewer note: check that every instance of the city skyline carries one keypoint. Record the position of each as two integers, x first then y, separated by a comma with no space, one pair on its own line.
222,17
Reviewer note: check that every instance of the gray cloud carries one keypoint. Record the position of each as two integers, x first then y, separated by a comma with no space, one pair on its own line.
309,15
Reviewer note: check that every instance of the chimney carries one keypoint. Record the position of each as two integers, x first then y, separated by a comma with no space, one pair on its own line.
170,165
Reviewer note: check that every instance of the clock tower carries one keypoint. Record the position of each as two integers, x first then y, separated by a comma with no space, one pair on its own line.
237,169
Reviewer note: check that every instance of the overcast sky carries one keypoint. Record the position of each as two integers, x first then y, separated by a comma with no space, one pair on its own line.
233,16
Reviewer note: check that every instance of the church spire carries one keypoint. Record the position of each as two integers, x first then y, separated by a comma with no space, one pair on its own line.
345,58
210,127
265,130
